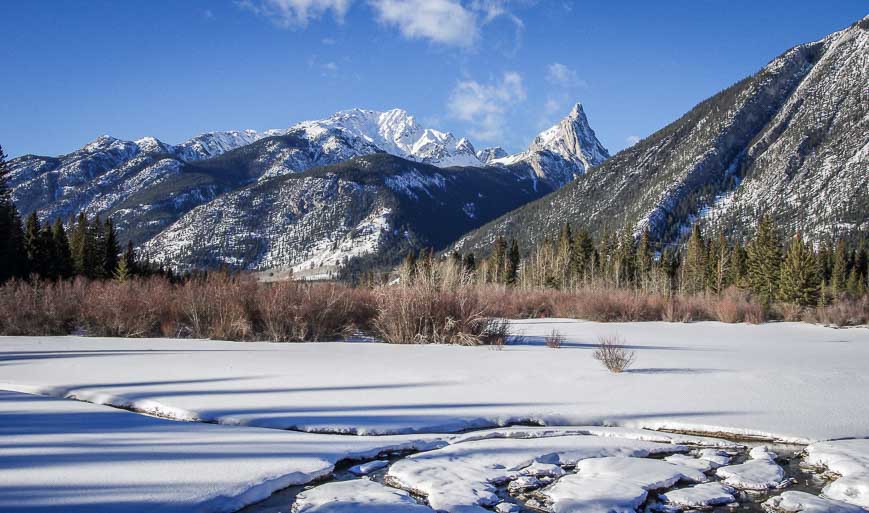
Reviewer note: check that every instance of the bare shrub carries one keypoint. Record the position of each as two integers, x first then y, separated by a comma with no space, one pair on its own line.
496,334
788,312
219,306
423,313
39,308
135,308
737,305
611,352
844,312
554,340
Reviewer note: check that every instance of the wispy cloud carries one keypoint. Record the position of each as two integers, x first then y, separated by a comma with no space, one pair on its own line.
454,23
563,76
485,106
296,13
632,140
442,21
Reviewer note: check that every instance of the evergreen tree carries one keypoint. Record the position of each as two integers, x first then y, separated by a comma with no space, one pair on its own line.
122,272
36,247
583,256
13,258
513,260
644,259
800,282
839,270
719,264
79,246
110,248
694,273
764,261
497,264
738,265
61,255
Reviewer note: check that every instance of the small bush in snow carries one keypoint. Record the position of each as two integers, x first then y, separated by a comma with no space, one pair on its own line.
554,340
612,354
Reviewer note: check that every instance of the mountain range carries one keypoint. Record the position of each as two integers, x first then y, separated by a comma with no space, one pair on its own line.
309,196
364,186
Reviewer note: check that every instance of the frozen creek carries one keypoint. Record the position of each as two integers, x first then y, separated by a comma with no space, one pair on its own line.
562,470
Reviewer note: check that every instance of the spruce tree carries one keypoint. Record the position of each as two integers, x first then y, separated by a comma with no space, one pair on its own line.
122,272
764,261
583,255
61,255
13,258
800,282
110,248
513,260
839,271
36,247
78,245
694,274
738,266
644,260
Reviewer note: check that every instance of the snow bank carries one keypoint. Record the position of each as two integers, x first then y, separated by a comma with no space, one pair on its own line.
357,496
850,460
801,502
462,477
60,455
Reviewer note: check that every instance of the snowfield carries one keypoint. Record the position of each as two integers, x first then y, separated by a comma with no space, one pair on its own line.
790,381
787,381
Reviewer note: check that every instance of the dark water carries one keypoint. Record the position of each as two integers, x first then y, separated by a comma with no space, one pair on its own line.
748,502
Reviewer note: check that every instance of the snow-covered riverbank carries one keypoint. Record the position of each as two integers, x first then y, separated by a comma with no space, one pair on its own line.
788,381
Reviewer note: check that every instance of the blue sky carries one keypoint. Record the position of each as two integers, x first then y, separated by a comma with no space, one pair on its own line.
497,71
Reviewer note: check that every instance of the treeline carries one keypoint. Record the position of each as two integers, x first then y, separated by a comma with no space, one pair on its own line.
770,267
31,249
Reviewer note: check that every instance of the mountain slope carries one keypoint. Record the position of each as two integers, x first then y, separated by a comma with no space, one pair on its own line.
790,140
375,205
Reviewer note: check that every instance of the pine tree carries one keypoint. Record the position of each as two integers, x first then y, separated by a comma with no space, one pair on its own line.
497,263
61,255
839,271
800,281
764,261
694,274
738,265
122,272
36,246
79,246
583,256
513,260
644,260
13,258
110,248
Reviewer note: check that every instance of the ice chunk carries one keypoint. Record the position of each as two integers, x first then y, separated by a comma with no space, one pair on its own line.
689,461
704,495
615,484
756,474
366,468
801,502
355,496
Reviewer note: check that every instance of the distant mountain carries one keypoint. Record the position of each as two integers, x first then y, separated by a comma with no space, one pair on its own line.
791,141
562,152
176,201
373,207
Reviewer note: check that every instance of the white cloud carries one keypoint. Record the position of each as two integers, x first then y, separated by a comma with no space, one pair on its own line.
485,106
296,13
561,75
442,21
632,140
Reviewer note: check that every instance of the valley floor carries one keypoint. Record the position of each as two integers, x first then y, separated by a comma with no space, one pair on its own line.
787,381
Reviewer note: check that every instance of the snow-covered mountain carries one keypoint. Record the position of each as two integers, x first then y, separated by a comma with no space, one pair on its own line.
791,141
562,152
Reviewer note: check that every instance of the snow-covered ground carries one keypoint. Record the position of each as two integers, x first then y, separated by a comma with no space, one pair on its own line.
793,381
68,456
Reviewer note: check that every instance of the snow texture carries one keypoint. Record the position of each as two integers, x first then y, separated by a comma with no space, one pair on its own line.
63,455
357,496
703,495
848,459
759,473
801,502
794,382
